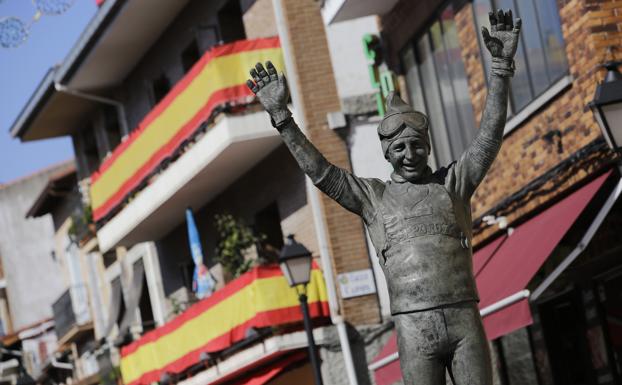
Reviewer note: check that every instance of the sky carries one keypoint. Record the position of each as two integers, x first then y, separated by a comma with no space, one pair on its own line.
21,70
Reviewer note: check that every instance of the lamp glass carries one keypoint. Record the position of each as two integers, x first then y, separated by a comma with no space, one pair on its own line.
297,270
613,115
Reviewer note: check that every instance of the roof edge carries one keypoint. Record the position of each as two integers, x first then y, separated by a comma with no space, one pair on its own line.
107,12
35,103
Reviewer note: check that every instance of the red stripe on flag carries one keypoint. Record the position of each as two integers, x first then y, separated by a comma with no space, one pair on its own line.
265,319
236,94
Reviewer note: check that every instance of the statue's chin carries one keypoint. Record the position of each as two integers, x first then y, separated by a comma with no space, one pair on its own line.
414,176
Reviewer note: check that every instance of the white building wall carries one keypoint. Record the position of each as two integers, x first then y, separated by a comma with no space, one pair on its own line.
33,278
345,42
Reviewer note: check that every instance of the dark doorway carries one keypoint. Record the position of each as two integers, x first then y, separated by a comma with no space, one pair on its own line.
160,87
610,297
563,323
190,55
268,226
146,312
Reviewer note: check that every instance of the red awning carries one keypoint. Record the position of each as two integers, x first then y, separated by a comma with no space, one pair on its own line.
506,266
503,268
386,366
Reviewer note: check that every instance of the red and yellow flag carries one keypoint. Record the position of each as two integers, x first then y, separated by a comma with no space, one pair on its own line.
259,298
219,77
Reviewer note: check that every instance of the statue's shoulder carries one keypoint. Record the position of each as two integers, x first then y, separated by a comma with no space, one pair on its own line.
376,183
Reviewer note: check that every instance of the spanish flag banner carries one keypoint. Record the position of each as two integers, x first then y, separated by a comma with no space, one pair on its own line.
259,298
217,79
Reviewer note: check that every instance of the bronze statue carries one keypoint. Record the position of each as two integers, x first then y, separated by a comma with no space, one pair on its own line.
420,220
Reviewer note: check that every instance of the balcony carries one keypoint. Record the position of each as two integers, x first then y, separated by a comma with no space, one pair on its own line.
200,138
72,317
244,313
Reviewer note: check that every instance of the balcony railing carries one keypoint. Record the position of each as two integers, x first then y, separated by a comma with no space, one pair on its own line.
217,80
258,299
71,311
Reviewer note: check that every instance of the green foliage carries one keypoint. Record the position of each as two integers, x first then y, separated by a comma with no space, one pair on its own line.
235,238
80,221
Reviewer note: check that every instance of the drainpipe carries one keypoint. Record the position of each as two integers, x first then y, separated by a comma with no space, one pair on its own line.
99,99
314,198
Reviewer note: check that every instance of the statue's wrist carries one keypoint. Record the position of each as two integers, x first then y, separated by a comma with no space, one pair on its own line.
280,115
503,66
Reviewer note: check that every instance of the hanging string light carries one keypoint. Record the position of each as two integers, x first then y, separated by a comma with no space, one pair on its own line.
53,7
14,31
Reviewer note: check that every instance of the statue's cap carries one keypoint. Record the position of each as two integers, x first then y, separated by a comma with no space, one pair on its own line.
400,115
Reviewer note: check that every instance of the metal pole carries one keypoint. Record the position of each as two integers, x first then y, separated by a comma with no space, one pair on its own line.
315,362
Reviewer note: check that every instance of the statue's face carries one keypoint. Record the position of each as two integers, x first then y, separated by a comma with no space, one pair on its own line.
409,157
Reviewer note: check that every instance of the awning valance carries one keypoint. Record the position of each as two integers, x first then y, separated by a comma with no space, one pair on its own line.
218,78
259,298
503,268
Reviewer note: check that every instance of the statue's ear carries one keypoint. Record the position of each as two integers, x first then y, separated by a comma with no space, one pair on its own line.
396,104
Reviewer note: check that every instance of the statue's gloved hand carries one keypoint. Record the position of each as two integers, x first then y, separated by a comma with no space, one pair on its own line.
271,90
502,41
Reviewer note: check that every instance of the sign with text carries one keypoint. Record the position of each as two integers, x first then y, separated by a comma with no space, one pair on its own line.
356,283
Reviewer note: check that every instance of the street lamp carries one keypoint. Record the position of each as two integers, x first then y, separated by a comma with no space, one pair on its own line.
295,262
607,105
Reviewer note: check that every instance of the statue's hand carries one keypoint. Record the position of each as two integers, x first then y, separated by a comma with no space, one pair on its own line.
271,90
502,40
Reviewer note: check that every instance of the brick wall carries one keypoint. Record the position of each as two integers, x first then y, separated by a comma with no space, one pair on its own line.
319,96
589,27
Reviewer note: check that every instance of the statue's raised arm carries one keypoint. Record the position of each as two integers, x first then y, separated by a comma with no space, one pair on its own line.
501,41
273,93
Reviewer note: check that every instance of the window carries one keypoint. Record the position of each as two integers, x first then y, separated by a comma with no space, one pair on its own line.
88,151
190,55
112,127
437,85
541,56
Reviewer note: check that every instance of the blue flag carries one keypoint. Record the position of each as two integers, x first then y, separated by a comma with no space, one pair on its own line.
203,283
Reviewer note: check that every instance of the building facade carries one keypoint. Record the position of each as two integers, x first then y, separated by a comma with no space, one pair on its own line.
162,121
153,96
545,214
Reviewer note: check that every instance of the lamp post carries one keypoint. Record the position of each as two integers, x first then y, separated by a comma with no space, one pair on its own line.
607,105
295,262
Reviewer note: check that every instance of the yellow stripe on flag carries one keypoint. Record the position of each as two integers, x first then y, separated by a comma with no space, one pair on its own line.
219,73
262,295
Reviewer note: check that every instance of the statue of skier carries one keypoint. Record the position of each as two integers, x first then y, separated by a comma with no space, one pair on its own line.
420,220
